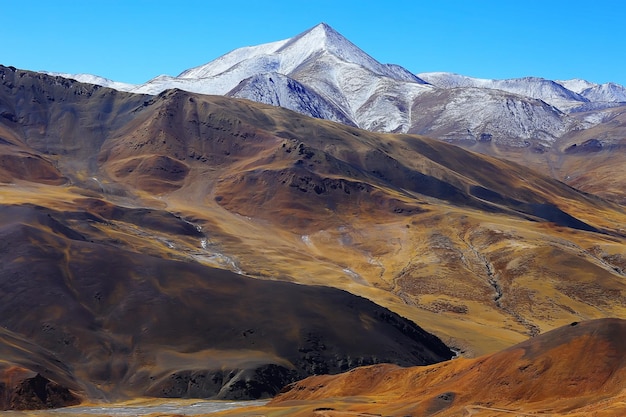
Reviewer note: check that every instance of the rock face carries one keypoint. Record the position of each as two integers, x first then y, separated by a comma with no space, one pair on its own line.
36,393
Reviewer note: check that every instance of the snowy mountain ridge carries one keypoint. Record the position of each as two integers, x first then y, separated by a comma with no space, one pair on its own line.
322,74
539,88
567,95
608,92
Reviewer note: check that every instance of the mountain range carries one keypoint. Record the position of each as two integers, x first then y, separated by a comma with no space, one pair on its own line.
321,74
172,243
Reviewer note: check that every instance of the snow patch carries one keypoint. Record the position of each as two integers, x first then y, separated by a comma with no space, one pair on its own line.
355,276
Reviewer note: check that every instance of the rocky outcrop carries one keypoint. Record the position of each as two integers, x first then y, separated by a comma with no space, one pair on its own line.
35,393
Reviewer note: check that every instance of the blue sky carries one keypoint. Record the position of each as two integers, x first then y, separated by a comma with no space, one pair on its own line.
133,41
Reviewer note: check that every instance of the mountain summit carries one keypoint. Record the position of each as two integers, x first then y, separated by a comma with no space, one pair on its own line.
287,56
319,73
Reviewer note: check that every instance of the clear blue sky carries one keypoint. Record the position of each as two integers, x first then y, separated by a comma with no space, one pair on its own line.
135,40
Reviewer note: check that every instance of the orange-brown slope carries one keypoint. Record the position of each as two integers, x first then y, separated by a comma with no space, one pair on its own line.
572,370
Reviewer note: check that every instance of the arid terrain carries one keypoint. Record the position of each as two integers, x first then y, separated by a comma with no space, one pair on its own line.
189,245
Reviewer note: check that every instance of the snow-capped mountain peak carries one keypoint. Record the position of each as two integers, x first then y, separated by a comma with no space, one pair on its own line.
608,92
320,39
324,39
287,55
596,93
334,76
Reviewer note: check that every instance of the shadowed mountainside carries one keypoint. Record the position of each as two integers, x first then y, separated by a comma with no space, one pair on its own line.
118,324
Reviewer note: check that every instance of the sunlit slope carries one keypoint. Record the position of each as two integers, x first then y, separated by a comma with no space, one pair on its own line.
576,370
481,251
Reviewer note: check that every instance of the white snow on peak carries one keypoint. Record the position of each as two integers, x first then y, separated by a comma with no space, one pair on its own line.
576,84
324,39
93,79
227,61
549,91
287,55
